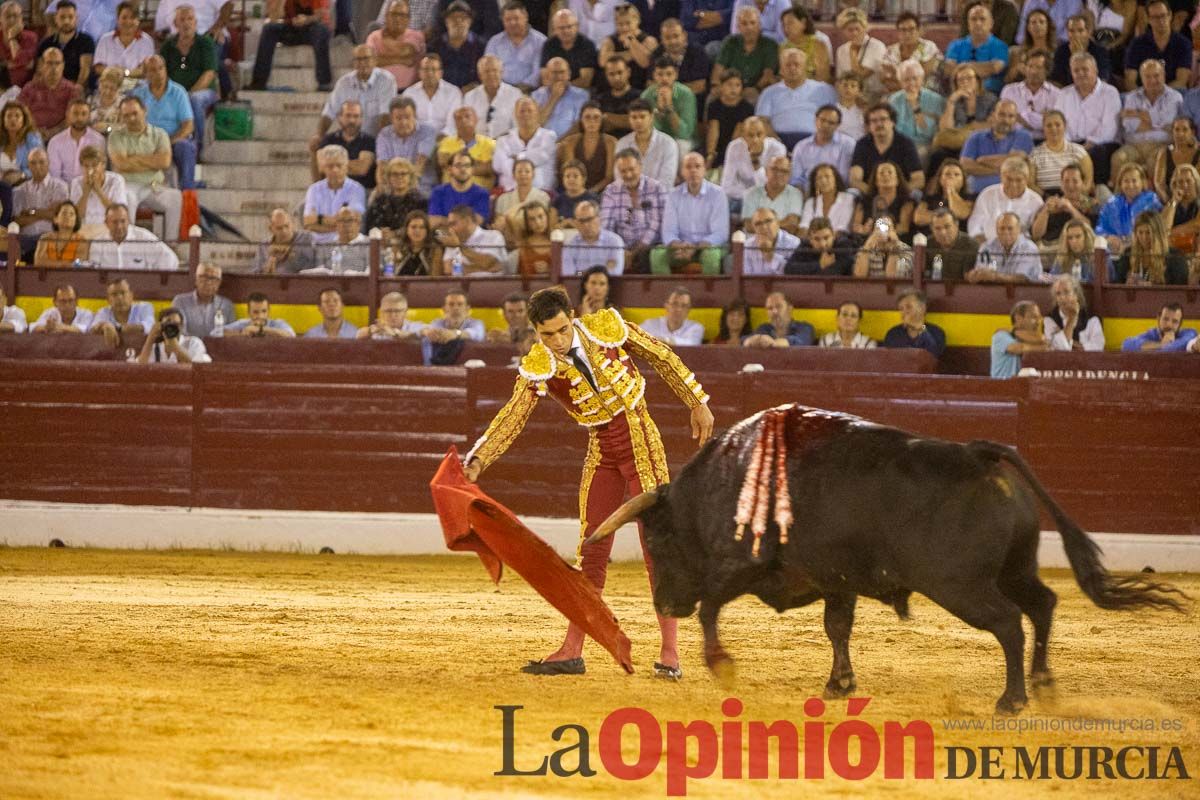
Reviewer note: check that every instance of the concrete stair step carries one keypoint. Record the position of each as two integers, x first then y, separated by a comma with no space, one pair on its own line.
283,127
248,201
341,54
301,79
294,103
259,153
285,178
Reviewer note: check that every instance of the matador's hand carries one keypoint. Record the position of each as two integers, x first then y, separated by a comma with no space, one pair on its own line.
473,469
702,423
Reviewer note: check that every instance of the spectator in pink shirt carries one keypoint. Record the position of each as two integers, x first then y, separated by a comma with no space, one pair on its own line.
398,48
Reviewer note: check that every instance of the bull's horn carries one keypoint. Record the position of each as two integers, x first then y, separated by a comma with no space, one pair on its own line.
625,513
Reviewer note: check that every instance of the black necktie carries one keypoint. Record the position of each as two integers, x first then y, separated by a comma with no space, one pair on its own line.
582,366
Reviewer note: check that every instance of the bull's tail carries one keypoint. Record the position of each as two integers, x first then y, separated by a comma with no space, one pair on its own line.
1105,590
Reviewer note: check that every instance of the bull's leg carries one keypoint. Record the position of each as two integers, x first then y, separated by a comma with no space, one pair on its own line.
839,619
718,661
1037,601
985,607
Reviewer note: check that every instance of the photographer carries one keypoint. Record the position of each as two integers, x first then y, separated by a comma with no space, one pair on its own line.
168,343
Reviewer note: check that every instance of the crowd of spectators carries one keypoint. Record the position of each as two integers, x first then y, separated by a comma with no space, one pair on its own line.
468,134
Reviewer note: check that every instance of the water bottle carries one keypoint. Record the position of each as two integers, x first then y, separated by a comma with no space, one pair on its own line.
456,267
1077,270
218,323
335,261
77,263
937,268
389,262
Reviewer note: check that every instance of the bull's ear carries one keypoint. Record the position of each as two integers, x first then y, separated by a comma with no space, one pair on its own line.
626,513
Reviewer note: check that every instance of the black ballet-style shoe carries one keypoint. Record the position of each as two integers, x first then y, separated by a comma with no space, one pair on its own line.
570,666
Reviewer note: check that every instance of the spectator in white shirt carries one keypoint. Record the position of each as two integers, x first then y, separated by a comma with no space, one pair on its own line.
95,190
660,155
529,141
12,318
746,159
494,101
65,316
1012,194
168,342
478,249
1092,110
770,248
130,246
127,47
1147,117
674,328
436,98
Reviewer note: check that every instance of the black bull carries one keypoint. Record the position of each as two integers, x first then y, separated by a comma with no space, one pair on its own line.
880,513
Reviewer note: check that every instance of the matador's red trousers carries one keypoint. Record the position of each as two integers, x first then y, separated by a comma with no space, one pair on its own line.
605,489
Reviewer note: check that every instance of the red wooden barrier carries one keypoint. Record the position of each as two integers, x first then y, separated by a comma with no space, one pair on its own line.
1117,454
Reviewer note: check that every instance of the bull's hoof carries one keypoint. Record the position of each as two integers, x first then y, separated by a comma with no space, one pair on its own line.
1041,680
840,687
1011,705
724,670
1043,684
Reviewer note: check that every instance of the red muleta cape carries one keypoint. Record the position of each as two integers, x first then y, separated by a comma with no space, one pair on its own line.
472,521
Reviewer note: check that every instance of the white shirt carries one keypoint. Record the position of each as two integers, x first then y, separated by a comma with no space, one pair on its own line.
1163,112
853,124
1031,105
660,161
839,215
114,190
873,53
1093,118
111,52
740,175
689,333
374,94
189,344
207,12
540,149
1091,337
992,202
16,317
500,119
1023,258
83,319
597,21
756,264
438,110
140,250
486,241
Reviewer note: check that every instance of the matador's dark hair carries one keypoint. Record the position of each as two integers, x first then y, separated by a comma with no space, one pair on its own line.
545,304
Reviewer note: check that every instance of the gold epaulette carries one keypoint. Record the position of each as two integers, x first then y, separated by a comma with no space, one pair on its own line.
604,327
539,364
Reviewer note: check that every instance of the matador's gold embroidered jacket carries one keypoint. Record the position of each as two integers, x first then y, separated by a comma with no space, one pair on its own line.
608,342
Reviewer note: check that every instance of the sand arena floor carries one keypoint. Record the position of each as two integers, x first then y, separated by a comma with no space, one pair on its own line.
259,675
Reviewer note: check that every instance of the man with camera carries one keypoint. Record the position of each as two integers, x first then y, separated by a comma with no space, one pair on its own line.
167,343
